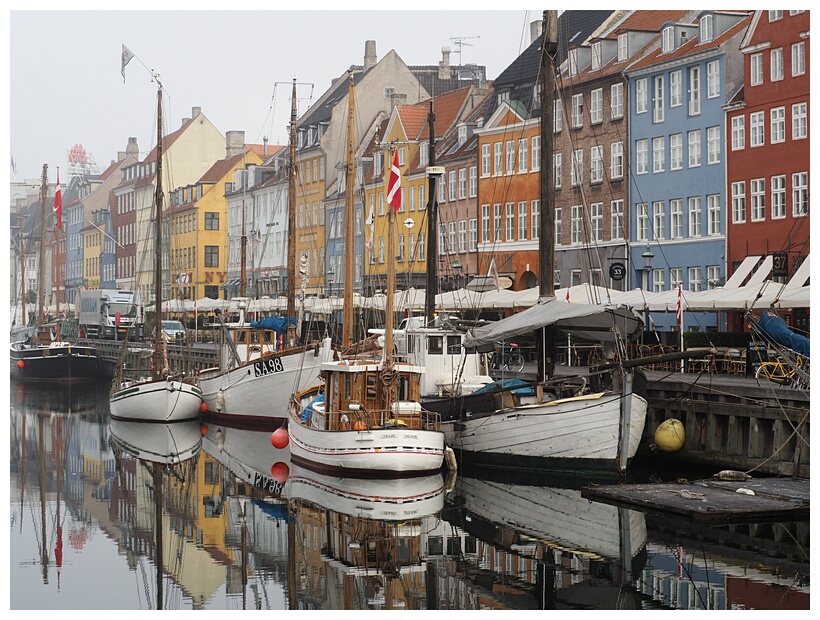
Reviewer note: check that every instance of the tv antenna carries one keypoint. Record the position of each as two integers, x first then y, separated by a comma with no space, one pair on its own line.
459,42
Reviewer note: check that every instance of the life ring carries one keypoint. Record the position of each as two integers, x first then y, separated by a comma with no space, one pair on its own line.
359,425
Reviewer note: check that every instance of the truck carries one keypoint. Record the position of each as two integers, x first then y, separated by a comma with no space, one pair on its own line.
109,314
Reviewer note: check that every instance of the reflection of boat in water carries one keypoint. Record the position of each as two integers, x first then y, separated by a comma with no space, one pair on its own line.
157,443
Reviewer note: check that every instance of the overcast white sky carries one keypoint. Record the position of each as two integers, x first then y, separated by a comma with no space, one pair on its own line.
66,87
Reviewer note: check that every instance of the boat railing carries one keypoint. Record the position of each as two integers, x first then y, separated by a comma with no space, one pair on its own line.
365,420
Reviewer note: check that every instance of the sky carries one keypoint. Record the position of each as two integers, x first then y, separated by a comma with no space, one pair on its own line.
66,86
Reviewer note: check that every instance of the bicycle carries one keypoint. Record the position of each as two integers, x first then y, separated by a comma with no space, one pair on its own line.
509,358
781,373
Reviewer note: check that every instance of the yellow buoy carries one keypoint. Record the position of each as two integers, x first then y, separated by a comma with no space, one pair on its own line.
670,435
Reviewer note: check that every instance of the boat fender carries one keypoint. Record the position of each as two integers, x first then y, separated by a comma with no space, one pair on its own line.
745,491
730,474
220,400
670,435
450,459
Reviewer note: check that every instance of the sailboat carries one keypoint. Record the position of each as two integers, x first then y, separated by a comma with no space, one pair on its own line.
255,378
557,424
365,417
42,354
163,397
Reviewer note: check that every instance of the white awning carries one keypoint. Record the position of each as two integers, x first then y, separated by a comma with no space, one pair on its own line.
743,270
802,274
762,272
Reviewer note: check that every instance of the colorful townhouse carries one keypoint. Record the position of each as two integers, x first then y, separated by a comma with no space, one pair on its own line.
677,163
767,157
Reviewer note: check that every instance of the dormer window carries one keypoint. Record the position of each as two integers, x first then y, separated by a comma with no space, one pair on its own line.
573,62
622,47
462,135
423,154
377,164
596,55
502,97
668,39
707,28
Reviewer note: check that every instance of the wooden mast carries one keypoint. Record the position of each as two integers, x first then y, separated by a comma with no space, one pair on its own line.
432,225
350,219
41,276
391,276
158,357
22,266
291,283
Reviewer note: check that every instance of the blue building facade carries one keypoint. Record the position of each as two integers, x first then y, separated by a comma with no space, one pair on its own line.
677,157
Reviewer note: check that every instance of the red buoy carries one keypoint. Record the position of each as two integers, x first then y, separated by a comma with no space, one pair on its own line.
203,429
280,472
203,407
20,363
279,438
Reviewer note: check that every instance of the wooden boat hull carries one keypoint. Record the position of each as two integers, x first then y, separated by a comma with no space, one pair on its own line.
566,435
69,363
159,400
256,394
377,452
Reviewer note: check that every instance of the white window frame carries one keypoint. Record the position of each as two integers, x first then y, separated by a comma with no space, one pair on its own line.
641,156
642,221
577,119
713,211
641,94
658,103
667,39
576,225
694,279
778,193
510,156
798,58
497,221
577,172
462,183
738,132
616,160
462,236
596,216
658,154
536,153
676,218
658,280
738,202
706,30
777,122
557,116
776,69
473,243
535,219
473,181
523,151
757,131
713,142
523,222
616,219
558,163
693,148
596,164
559,226
498,158
676,151
800,194
756,69
713,276
659,220
486,159
596,56
451,185
694,91
675,89
485,223
693,205
596,106
712,79
616,101
757,189
623,47
799,121
509,221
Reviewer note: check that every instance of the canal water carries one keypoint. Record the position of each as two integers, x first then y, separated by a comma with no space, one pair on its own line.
132,516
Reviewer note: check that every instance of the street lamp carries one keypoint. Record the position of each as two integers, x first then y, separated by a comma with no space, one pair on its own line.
457,272
329,280
647,268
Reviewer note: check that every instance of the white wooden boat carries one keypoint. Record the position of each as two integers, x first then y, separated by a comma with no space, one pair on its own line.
166,399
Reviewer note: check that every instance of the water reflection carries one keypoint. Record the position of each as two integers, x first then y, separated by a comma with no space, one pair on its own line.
97,505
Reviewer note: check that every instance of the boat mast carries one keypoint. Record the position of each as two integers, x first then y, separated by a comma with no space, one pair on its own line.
432,224
242,249
546,240
350,219
291,291
41,268
22,266
158,358
391,277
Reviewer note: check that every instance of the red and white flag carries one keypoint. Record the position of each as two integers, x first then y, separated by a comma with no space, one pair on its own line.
58,202
568,294
394,186
679,310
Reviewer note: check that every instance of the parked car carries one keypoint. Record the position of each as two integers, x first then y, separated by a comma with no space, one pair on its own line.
173,331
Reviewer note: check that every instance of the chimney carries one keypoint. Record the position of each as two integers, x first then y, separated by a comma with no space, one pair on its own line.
132,149
444,64
185,120
397,100
120,156
196,111
535,29
265,146
234,143
369,54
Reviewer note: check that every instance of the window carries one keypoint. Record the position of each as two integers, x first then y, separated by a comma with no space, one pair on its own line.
676,151
451,185
659,219
523,150
451,228
473,181
558,160
756,69
536,153
776,66
758,191
713,210
596,106
800,194
616,160
596,164
577,172
706,28
381,250
559,226
381,204
668,39
401,156
596,210
739,202
756,135
422,252
713,145
694,91
694,217
596,56
775,15
422,200
497,159
522,220
473,234
642,223
658,154
738,133
485,223
510,156
675,277
400,255
212,256
641,156
442,239
694,148
412,206
211,221
658,280
694,279
535,217
616,219
640,96
462,183
676,217
713,276
558,116
675,89
779,197
713,79
575,225
777,118
424,153
462,236
442,191
616,101
798,58
577,111
497,222
622,47
799,124
658,103
510,221
573,62
485,160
